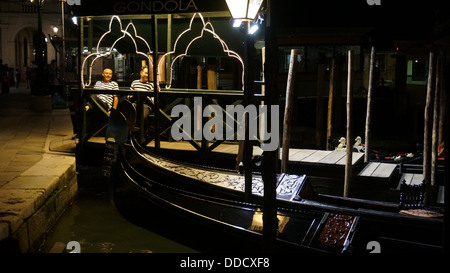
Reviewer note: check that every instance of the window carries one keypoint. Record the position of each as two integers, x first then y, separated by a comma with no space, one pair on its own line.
285,58
312,56
417,71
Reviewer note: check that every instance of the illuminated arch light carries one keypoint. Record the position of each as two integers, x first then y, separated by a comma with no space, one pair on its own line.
98,54
211,30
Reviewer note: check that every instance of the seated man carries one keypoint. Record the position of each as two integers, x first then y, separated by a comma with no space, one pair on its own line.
106,100
96,118
142,84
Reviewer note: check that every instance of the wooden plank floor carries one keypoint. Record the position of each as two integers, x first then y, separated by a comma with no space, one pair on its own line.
411,179
296,156
186,146
321,157
378,170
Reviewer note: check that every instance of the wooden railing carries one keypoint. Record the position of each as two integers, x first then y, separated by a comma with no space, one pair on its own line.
161,120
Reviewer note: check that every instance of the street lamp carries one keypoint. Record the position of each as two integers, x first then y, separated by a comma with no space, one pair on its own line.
244,10
39,50
63,48
39,53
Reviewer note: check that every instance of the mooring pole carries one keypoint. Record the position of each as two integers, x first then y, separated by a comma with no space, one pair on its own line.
349,150
446,138
319,104
330,103
369,106
435,131
428,126
82,115
288,110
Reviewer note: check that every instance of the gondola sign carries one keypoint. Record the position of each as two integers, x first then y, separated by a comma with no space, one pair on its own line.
122,7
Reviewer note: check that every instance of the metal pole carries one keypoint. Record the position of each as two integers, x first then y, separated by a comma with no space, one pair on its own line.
169,47
82,126
63,50
248,94
39,59
270,159
156,79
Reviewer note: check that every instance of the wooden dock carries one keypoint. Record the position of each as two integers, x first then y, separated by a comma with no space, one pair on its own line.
321,163
296,156
299,159
377,180
378,170
321,157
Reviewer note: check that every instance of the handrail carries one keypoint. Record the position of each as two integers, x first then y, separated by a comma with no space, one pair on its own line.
237,95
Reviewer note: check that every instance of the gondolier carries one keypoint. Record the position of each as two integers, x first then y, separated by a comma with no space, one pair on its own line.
108,101
105,101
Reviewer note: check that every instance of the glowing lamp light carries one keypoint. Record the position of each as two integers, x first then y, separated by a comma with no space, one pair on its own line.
253,29
244,10
237,23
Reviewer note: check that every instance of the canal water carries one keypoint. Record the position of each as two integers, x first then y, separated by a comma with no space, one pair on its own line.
94,223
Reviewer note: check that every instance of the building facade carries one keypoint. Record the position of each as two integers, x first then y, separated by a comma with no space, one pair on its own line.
18,31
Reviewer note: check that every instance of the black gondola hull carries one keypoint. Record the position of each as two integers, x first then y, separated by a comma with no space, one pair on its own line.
214,220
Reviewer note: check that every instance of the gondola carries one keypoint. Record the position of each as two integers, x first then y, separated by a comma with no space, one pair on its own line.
205,206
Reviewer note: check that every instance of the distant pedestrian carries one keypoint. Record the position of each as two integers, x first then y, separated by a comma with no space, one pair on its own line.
52,72
17,77
28,76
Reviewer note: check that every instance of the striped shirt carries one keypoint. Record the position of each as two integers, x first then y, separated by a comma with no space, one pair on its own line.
137,85
106,98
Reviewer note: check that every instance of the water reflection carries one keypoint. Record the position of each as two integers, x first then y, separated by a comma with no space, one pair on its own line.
99,228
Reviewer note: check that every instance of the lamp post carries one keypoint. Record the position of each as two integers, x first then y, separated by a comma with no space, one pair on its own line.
40,100
39,50
246,10
63,47
39,47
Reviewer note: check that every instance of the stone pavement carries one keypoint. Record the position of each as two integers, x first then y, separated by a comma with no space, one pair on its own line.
37,170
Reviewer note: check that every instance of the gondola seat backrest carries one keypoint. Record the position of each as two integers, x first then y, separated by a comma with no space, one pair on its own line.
411,195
